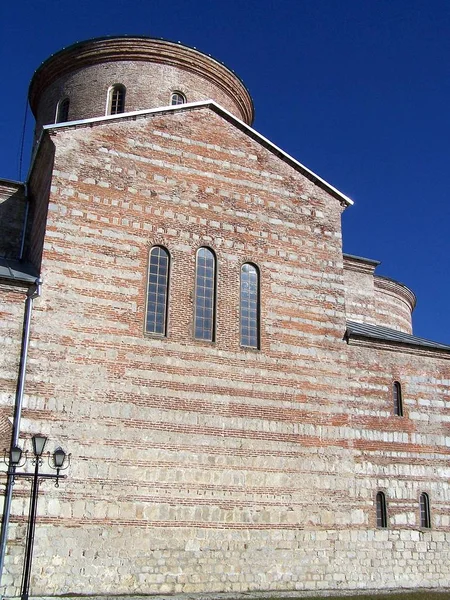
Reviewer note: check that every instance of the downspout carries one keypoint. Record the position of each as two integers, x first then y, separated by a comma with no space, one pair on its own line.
34,291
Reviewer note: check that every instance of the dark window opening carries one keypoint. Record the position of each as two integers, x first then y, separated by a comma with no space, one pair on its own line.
62,111
398,402
425,515
381,510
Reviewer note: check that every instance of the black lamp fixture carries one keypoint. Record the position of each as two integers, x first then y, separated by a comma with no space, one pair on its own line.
39,442
58,461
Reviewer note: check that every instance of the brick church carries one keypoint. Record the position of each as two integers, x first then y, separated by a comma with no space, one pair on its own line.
247,408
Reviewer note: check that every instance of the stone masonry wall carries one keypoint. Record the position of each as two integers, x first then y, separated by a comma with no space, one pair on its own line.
206,466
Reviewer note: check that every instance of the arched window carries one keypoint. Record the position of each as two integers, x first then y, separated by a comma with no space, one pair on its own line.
62,111
177,98
205,292
425,515
381,510
397,397
249,306
157,291
116,99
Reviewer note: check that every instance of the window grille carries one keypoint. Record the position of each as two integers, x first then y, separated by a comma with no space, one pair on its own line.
117,99
249,306
205,276
177,98
157,291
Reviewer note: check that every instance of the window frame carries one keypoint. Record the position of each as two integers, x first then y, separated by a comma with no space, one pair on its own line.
397,398
61,102
167,292
180,95
258,306
381,515
214,296
424,511
109,98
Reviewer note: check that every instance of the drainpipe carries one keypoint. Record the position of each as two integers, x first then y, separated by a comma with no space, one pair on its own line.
34,291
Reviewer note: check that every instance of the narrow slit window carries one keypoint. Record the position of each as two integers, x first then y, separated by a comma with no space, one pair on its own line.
205,301
177,98
397,397
425,515
116,99
62,111
381,510
157,291
249,306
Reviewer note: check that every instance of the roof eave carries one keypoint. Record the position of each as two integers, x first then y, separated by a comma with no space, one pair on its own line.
345,200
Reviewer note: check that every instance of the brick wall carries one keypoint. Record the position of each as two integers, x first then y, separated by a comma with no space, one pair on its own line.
376,300
206,466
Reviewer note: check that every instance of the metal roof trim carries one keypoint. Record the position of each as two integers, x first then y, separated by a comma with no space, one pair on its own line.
17,271
380,333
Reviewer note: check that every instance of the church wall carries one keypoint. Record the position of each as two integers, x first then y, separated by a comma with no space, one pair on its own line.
188,442
207,467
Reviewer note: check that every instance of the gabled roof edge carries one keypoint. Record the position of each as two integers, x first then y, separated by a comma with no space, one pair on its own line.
225,113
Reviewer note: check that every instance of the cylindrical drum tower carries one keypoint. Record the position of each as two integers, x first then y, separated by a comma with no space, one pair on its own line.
122,74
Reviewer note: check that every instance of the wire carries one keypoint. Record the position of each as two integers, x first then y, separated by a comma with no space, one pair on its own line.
22,142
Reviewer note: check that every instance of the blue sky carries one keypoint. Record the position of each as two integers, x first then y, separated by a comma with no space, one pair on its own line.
357,90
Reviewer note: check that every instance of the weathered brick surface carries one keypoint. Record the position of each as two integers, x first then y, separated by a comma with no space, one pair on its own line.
11,321
150,70
205,466
376,300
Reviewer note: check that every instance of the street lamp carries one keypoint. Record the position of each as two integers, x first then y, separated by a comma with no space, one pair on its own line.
59,461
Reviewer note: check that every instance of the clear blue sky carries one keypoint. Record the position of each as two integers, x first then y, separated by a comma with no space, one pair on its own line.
357,90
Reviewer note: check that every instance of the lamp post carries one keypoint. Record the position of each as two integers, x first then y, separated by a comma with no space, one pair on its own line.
58,461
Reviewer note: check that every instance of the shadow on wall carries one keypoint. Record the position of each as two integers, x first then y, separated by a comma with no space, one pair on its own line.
12,211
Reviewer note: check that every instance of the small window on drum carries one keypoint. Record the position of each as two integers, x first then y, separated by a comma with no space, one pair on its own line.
381,510
177,98
157,291
116,99
62,111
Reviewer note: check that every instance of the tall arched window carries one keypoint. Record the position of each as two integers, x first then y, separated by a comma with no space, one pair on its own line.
397,397
177,98
381,510
62,111
116,99
425,515
249,306
205,295
157,291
